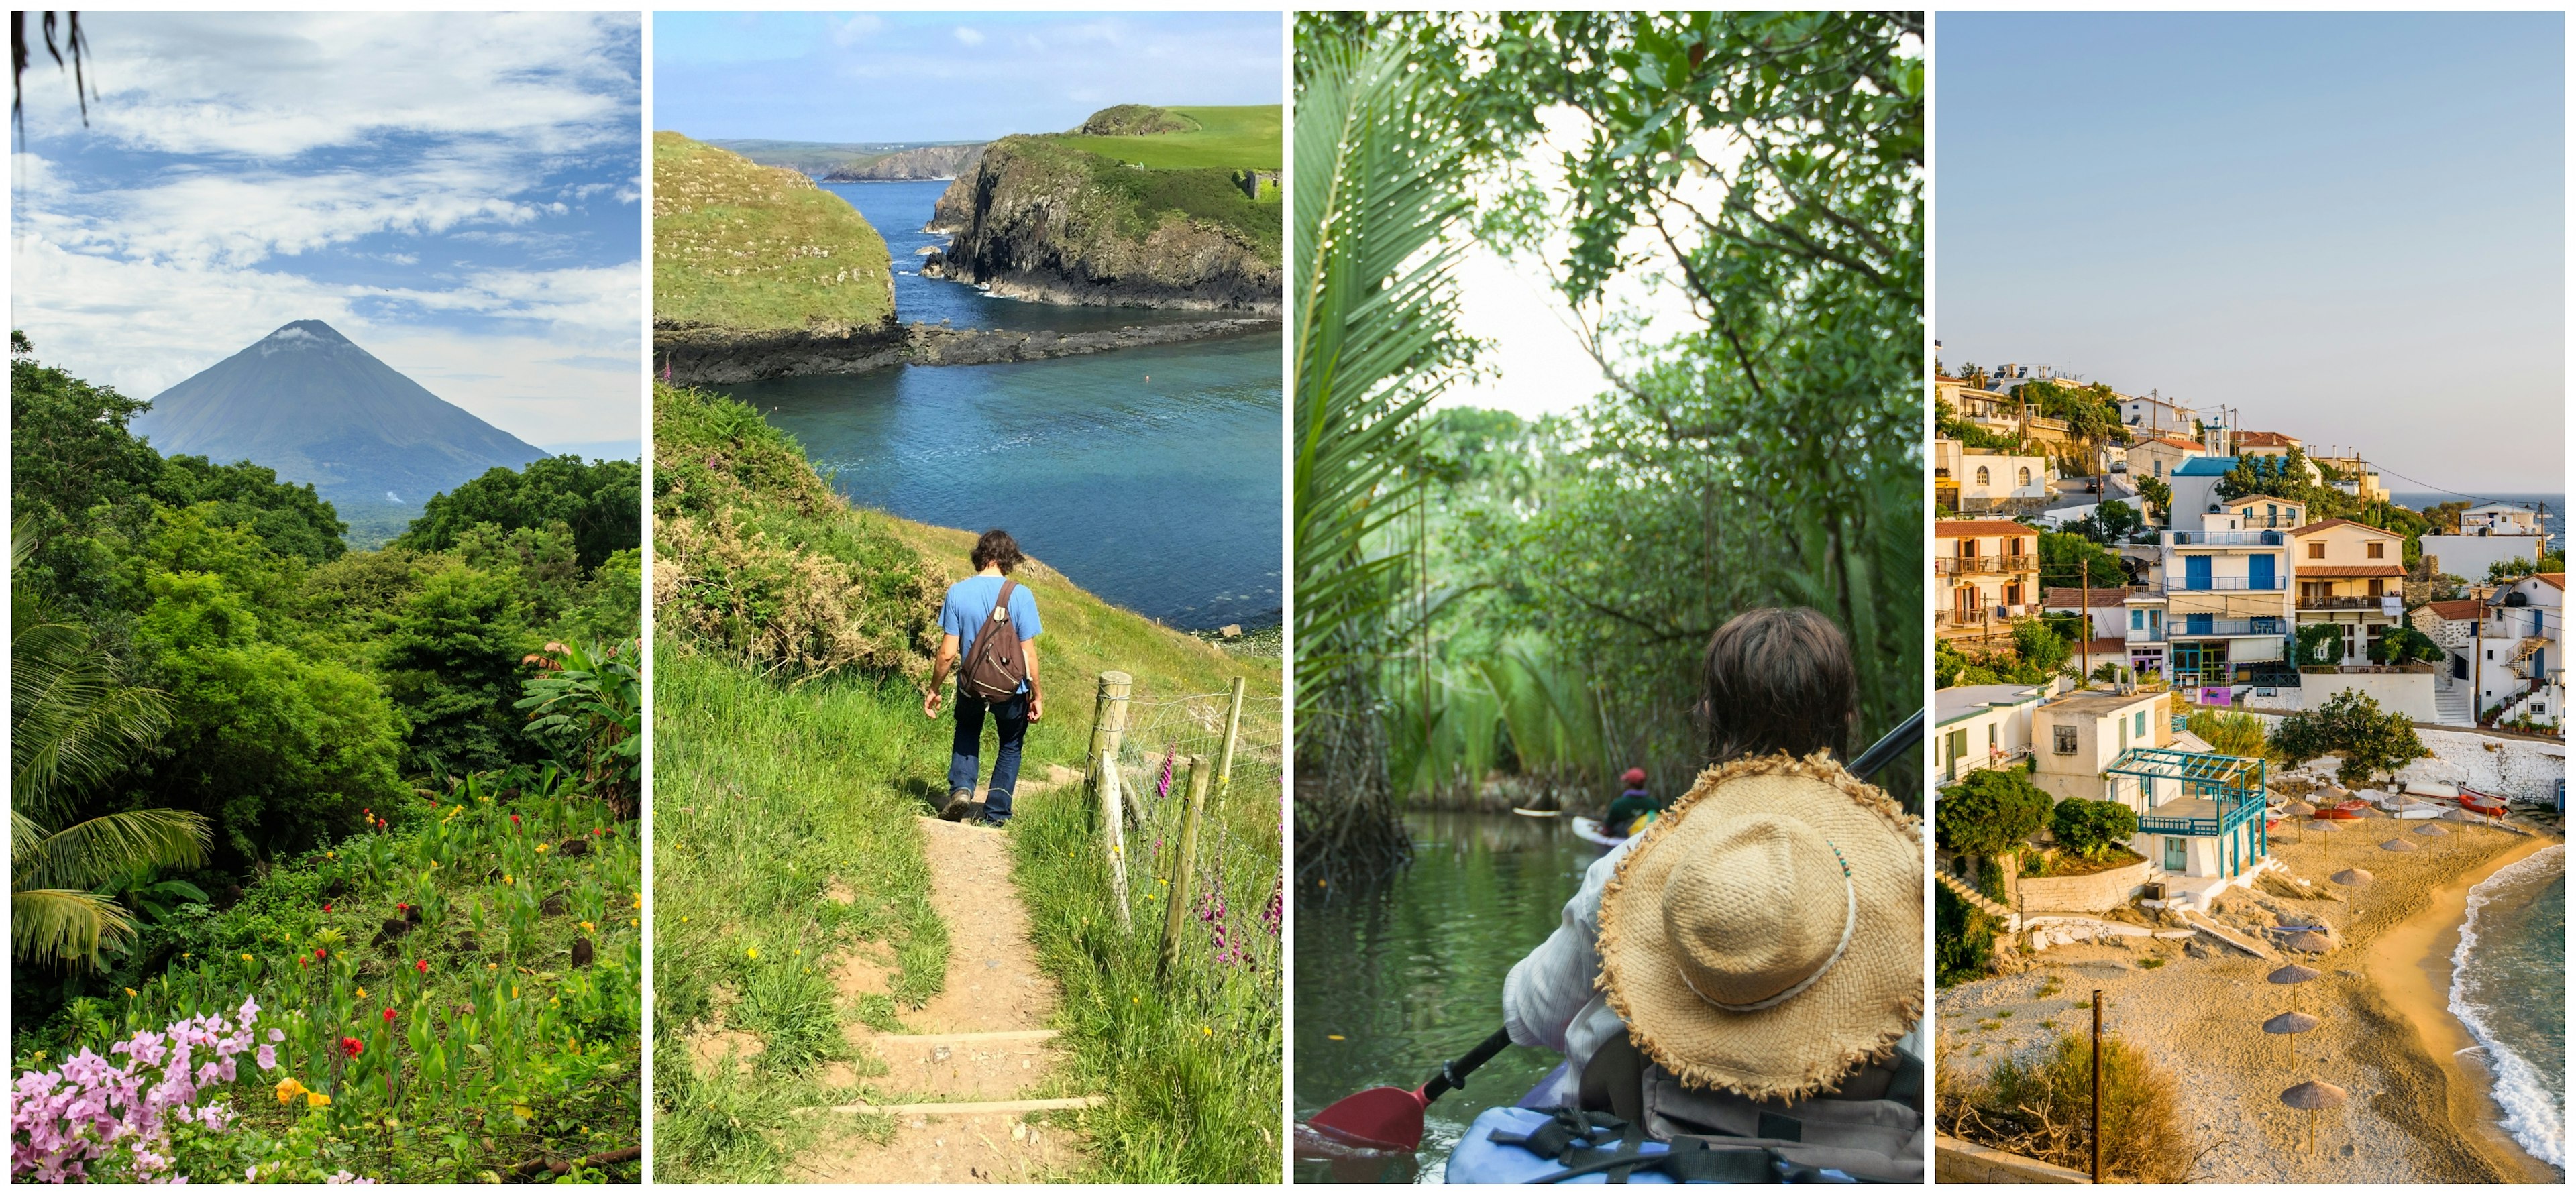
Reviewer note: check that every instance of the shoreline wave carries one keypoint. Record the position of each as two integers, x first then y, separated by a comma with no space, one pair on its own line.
2533,1116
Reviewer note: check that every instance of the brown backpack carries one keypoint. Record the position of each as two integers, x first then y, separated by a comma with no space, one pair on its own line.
995,667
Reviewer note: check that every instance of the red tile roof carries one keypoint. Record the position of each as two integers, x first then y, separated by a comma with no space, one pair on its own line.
2556,580
2169,442
1964,528
2457,610
2264,440
2070,598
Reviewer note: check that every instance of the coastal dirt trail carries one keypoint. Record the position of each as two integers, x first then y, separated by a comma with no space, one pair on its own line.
2418,1112
979,1047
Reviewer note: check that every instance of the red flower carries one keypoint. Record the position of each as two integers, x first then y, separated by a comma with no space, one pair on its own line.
352,1046
320,954
326,906
423,965
514,819
389,1016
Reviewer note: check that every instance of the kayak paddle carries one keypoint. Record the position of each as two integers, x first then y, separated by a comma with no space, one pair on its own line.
1390,1118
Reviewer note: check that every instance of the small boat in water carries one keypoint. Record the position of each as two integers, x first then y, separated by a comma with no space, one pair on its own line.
1538,812
1590,831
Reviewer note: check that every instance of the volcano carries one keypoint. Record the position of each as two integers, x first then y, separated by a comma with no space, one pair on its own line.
315,407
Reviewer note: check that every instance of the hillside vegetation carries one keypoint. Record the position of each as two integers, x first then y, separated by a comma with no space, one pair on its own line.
355,826
1244,137
741,245
792,762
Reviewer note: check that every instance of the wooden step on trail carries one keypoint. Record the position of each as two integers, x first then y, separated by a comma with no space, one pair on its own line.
982,1108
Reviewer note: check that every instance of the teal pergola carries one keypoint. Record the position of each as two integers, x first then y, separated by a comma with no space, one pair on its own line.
2233,785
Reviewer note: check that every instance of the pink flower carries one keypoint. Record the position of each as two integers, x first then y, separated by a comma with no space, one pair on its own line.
276,1035
268,1056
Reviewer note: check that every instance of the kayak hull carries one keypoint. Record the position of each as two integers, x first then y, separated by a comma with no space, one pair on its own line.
1590,831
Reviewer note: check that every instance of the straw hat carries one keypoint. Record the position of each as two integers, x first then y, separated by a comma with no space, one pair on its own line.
1765,935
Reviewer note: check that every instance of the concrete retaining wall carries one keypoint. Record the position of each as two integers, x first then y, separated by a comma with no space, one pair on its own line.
2082,894
2408,693
1956,1161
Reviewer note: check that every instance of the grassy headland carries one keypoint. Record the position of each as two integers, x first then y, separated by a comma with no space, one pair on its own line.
1245,137
792,760
740,245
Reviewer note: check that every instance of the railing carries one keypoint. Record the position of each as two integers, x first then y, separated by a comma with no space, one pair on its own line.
1950,566
2150,635
1955,617
2340,602
2230,816
2226,626
2229,585
2368,669
2222,539
2181,722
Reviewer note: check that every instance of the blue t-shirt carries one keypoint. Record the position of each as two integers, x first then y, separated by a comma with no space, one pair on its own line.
970,606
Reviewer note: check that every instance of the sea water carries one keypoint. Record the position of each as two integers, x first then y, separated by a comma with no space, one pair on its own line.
1149,476
2509,986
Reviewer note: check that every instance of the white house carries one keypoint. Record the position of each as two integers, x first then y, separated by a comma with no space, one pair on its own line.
1981,726
2226,580
2154,416
2516,666
1992,482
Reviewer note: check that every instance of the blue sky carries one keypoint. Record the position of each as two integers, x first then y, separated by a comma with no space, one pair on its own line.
460,194
952,76
2350,225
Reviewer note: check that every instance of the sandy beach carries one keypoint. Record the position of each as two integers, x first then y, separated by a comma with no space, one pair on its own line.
2419,1110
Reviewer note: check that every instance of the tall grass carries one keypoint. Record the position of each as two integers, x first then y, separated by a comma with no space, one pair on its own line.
1243,137
772,802
1191,1067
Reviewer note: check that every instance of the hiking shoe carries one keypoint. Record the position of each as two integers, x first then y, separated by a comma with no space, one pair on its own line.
961,805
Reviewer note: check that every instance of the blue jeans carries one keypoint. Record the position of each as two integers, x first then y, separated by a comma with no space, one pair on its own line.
1011,723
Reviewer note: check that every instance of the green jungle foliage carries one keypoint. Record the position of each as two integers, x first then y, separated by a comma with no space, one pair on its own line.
2090,828
234,742
1963,939
1770,453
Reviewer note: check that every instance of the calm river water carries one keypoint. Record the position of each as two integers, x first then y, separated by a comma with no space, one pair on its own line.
1390,985
1149,476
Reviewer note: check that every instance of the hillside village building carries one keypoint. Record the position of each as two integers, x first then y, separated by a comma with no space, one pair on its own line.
2153,416
1981,726
2350,578
2159,456
1988,570
2489,534
1981,481
2227,590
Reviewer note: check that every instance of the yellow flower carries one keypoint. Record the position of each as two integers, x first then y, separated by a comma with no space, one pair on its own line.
541,848
245,958
753,951
491,966
362,993
514,991
287,1090
509,879
636,922
315,1099
130,993
1205,1031
330,854
639,900
588,928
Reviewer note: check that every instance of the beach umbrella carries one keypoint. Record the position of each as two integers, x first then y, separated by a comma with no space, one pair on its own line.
2313,1097
2299,809
2291,1024
2463,815
2398,844
2430,830
2352,877
2329,827
2310,942
2293,974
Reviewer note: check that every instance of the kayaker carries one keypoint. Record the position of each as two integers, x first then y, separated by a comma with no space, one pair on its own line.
1764,936
1002,680
1632,804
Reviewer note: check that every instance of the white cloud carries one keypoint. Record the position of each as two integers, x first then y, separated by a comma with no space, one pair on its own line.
857,29
970,35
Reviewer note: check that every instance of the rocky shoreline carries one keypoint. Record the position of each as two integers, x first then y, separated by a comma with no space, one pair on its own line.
695,354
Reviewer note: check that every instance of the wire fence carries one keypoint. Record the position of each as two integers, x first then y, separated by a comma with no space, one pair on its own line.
1195,780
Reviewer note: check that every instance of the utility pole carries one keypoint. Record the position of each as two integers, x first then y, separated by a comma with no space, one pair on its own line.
2097,1085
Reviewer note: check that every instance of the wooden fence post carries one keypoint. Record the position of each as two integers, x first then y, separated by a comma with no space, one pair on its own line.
1233,731
1176,905
1108,727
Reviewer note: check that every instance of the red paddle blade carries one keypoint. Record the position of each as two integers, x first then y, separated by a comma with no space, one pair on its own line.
1378,1118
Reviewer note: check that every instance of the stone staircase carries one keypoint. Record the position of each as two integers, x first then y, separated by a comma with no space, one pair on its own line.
2453,705
1961,889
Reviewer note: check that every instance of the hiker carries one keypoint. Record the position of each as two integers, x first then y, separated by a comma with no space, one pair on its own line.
1761,941
1002,678
1631,805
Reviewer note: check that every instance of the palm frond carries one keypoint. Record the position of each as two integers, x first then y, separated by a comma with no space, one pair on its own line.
89,853
63,927
74,722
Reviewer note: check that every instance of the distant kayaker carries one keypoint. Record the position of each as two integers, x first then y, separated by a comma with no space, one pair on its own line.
1632,804
1764,936
1001,679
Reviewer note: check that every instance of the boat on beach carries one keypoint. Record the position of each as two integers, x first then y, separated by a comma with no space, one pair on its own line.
2345,811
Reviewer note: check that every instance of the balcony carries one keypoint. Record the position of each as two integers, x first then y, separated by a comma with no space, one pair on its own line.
2217,628
1953,566
1955,619
2224,539
2228,585
2340,602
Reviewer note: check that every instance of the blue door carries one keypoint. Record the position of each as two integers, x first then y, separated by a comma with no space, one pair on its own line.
2195,572
2196,624
2258,571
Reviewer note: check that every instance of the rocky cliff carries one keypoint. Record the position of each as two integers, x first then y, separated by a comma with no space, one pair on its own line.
926,162
1042,221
